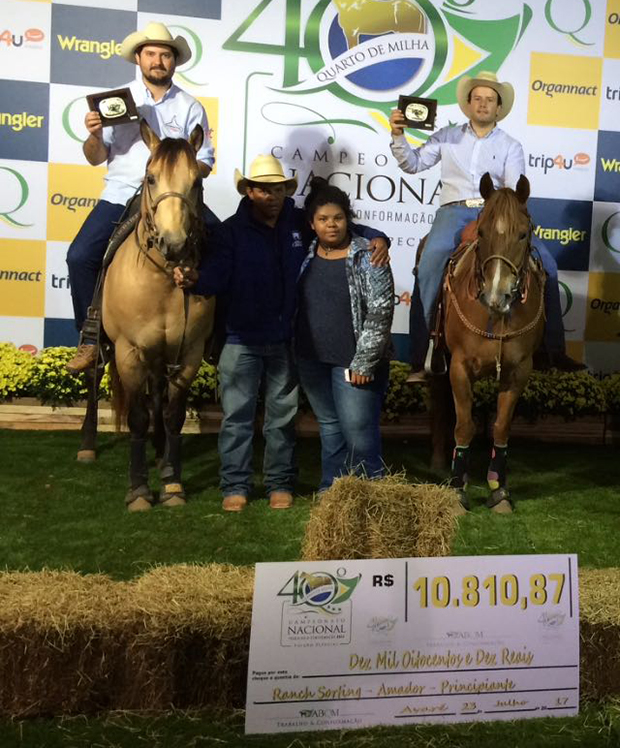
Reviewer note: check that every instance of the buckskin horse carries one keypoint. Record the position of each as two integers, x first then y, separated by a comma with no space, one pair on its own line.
158,331
493,321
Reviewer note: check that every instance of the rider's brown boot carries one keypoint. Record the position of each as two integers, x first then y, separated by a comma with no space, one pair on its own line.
85,358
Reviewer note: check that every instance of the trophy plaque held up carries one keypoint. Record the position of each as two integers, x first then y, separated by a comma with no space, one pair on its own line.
115,107
418,113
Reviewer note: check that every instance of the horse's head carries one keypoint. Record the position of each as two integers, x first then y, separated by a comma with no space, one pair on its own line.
170,200
504,232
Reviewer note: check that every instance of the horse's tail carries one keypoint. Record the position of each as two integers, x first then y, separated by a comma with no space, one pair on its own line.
119,398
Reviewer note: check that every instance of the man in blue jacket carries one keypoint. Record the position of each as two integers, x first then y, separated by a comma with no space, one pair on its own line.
252,264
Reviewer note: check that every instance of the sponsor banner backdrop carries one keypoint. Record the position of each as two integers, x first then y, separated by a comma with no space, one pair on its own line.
306,81
23,199
25,41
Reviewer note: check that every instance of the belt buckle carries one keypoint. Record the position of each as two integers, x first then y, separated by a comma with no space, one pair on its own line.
474,202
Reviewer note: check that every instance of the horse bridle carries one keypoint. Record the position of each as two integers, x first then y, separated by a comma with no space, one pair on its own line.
519,289
151,208
193,238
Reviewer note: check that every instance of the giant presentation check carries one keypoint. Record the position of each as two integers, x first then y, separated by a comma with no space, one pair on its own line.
347,644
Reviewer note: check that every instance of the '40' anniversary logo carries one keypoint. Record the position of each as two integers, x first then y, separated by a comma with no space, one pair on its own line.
367,52
319,590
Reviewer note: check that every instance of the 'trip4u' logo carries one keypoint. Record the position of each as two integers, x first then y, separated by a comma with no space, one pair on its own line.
23,192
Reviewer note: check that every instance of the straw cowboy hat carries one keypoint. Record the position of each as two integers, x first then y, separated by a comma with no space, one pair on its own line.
265,169
155,33
466,85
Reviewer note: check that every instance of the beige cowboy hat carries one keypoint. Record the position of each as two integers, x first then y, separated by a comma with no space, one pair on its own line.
155,33
265,169
466,85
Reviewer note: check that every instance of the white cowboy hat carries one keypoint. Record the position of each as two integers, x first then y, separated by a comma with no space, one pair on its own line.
155,33
466,85
265,169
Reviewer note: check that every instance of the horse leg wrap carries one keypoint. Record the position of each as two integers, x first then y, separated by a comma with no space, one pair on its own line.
172,493
497,477
460,467
171,462
138,469
497,472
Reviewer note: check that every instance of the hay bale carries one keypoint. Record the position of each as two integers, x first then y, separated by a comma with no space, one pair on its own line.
192,646
179,635
385,518
599,616
60,637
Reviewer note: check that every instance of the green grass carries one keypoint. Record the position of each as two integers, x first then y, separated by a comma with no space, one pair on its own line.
593,728
57,513
60,514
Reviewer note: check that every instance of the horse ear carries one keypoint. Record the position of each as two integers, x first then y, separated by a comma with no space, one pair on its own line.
486,185
149,137
196,138
523,189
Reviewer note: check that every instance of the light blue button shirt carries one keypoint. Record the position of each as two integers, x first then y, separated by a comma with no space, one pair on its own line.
464,159
174,116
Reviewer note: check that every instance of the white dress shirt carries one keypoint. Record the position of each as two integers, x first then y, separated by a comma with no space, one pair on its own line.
174,116
464,159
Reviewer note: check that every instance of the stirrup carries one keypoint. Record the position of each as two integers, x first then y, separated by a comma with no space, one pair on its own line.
90,333
428,361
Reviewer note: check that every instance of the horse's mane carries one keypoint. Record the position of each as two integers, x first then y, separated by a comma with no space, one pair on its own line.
505,203
169,150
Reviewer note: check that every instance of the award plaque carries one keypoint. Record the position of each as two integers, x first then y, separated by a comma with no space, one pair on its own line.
418,113
115,107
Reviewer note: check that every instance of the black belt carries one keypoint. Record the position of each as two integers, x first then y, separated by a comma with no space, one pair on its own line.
471,202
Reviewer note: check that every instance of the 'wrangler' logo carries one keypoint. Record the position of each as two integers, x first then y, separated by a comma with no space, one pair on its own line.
18,121
610,164
564,236
105,50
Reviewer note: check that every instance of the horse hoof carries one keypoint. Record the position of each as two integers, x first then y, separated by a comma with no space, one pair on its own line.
86,455
139,505
174,501
172,495
502,507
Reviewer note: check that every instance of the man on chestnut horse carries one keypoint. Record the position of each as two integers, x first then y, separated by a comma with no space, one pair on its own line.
169,112
466,152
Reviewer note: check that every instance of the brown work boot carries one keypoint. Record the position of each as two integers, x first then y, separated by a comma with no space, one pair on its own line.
235,502
280,500
85,358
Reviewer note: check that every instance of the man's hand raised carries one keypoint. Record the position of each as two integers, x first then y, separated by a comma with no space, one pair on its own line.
397,122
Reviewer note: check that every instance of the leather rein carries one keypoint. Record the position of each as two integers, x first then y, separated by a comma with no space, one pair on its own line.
150,242
519,291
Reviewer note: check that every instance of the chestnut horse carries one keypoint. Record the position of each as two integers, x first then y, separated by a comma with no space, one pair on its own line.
493,321
158,331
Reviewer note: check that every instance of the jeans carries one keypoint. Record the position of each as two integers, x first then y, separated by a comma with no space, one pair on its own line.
440,243
86,253
348,418
241,369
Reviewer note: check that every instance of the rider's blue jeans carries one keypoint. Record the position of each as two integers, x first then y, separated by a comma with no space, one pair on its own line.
443,238
241,369
86,253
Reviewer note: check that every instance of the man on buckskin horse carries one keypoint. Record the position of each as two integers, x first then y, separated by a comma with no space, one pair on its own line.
466,152
170,112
